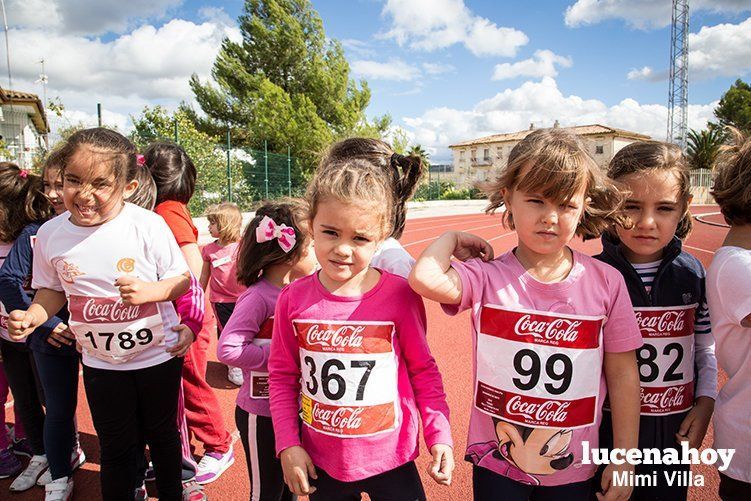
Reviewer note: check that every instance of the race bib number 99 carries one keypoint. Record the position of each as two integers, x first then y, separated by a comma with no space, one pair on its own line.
538,369
349,377
111,331
666,360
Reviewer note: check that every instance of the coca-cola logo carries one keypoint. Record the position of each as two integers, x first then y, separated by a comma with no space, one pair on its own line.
671,398
342,337
110,311
557,329
549,411
669,321
340,418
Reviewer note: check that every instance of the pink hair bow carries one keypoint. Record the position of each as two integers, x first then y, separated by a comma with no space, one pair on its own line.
268,230
23,173
140,160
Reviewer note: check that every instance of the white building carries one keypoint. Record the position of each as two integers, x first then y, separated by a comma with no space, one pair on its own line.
480,159
23,127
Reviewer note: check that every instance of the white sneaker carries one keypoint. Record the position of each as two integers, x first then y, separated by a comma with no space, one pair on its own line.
77,458
59,490
29,476
213,464
235,375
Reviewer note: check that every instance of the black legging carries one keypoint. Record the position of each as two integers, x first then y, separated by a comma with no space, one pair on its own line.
28,396
128,408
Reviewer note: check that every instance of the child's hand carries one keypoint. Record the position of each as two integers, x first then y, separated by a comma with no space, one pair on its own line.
611,492
133,291
21,323
442,466
185,338
469,246
297,467
61,335
694,426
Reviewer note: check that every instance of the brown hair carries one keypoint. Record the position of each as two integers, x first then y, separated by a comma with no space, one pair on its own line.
648,156
732,183
228,219
145,193
559,166
400,171
105,145
173,170
254,257
22,200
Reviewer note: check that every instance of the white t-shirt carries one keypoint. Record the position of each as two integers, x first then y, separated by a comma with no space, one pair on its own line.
729,296
392,257
84,262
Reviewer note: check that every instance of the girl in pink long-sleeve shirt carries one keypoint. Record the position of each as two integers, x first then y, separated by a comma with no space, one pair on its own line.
349,343
275,250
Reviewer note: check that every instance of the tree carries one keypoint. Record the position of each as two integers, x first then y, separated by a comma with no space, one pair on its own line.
735,106
286,83
418,151
704,147
157,124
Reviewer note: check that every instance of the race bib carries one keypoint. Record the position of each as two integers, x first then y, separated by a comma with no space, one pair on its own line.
4,323
666,360
538,369
216,263
349,377
259,380
111,331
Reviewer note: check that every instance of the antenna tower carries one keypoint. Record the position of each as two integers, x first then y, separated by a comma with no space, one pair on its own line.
678,93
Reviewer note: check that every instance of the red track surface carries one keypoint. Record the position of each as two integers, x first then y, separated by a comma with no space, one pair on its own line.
450,342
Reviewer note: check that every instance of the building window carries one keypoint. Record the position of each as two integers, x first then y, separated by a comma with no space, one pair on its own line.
486,154
461,155
473,155
499,152
599,149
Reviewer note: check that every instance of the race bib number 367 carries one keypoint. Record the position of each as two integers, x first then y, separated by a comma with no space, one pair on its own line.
349,377
538,369
666,360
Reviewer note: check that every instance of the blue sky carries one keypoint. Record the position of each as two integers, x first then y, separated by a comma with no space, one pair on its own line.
446,70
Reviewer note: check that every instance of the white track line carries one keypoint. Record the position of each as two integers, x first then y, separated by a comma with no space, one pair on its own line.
698,249
433,238
442,225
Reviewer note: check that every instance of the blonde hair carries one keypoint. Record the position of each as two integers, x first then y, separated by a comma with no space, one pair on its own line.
648,156
732,184
557,167
356,182
228,219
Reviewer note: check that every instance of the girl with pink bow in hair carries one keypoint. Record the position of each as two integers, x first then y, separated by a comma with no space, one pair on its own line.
275,250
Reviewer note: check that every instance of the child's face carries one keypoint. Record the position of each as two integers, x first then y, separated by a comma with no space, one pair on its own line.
655,208
307,263
346,237
543,226
213,229
90,190
53,189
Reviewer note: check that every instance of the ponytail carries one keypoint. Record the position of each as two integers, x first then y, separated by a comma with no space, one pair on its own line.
407,173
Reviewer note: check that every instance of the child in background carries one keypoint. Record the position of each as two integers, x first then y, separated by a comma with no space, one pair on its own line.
120,311
52,346
677,366
220,268
729,297
267,261
553,329
350,340
22,202
175,177
405,174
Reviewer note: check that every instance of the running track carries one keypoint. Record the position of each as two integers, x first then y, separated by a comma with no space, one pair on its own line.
450,342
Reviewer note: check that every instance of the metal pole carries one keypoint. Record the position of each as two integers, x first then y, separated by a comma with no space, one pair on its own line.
289,172
177,135
429,190
266,166
99,113
7,53
229,166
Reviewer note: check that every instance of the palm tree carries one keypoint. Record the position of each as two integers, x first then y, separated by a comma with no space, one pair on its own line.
704,146
418,151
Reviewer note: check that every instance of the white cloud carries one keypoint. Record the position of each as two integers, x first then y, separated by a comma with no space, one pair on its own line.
722,50
543,64
435,24
642,14
85,17
358,47
540,103
437,68
394,69
641,74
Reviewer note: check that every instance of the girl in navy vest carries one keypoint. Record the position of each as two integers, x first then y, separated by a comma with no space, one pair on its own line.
677,366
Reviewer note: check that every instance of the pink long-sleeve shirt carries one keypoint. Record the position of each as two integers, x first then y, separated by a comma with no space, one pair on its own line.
367,373
245,343
191,306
